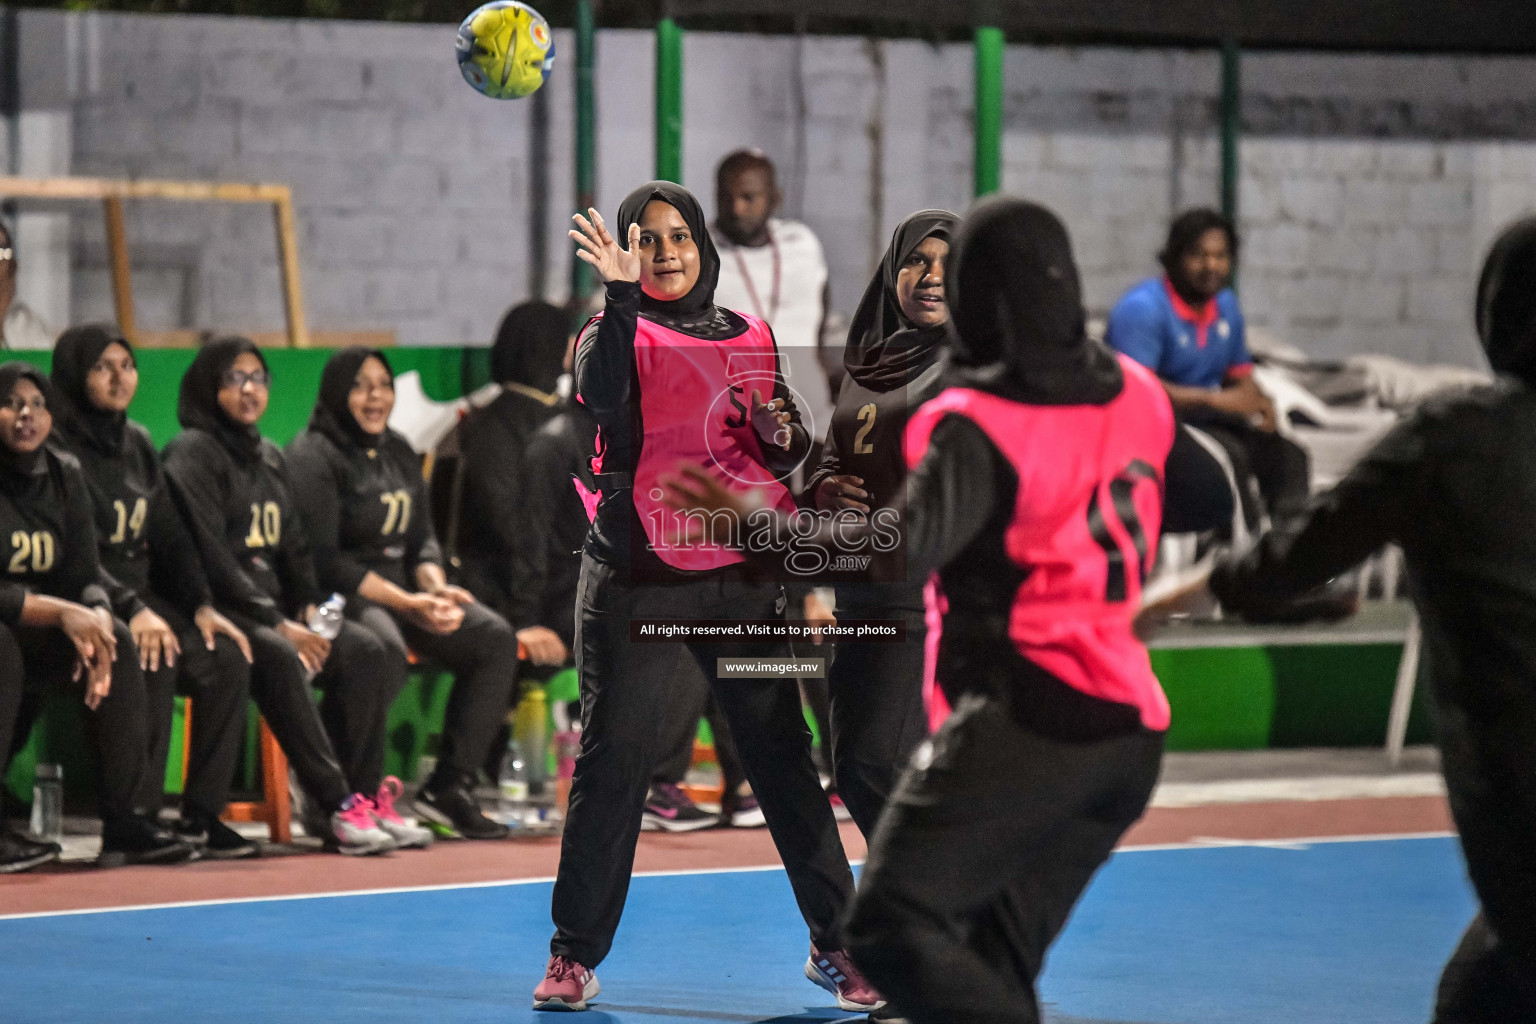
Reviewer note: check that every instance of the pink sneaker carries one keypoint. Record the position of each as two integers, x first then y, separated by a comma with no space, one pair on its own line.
406,834
834,972
355,832
566,986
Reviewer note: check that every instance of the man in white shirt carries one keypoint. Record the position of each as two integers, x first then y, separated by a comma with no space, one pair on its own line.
20,327
773,269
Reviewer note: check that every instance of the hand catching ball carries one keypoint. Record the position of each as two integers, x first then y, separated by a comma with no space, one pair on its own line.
505,49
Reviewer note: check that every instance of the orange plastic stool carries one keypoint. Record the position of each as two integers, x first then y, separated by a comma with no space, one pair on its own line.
274,806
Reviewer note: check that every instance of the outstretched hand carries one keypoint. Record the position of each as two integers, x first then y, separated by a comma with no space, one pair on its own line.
598,248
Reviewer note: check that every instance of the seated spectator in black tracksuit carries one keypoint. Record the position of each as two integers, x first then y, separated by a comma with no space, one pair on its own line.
360,488
231,486
142,542
57,628
499,548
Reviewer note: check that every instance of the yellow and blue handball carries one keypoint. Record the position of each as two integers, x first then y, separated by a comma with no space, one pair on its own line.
505,49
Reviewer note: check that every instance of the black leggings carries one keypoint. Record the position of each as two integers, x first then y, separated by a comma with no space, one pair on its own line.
626,697
337,749
219,682
31,660
481,653
878,717
990,839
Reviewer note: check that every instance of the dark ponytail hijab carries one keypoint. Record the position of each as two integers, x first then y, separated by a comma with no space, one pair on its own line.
331,416
1016,304
197,406
77,416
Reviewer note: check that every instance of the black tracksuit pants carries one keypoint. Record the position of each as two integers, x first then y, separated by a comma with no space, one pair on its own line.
692,693
482,654
877,713
992,836
219,683
337,749
625,698
1491,978
31,660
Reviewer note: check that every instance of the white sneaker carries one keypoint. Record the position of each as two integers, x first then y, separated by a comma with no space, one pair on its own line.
355,832
405,833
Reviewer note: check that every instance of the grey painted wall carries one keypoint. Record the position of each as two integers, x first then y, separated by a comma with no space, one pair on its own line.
1370,184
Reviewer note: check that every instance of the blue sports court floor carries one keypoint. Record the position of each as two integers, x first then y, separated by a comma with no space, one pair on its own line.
1322,933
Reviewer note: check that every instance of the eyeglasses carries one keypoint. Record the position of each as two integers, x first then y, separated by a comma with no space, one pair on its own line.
19,405
362,387
238,379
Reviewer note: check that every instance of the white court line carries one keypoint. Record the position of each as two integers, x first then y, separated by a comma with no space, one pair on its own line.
1298,843
1325,787
1200,843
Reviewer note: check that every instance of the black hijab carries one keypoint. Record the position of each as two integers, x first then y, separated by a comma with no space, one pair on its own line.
82,419
198,403
885,350
1506,302
1016,305
331,415
31,463
530,346
701,297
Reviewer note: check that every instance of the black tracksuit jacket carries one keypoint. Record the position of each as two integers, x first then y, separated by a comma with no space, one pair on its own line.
246,524
365,510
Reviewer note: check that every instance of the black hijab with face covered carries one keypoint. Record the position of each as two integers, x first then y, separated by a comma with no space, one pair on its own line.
1506,302
701,297
30,463
82,419
530,346
331,415
885,350
1016,306
197,405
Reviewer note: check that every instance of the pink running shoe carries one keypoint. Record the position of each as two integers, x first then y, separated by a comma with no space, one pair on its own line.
355,832
834,972
566,986
406,834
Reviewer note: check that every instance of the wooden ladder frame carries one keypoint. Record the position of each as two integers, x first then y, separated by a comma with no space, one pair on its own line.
111,193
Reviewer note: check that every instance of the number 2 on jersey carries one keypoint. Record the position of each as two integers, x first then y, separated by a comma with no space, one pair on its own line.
1122,492
867,415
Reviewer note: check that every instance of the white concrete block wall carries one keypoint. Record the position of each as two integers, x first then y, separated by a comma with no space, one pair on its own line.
1370,185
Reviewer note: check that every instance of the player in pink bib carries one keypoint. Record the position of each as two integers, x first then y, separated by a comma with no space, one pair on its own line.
670,376
1035,499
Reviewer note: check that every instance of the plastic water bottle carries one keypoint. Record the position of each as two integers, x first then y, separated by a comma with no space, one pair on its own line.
48,802
326,619
514,786
530,727
567,747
